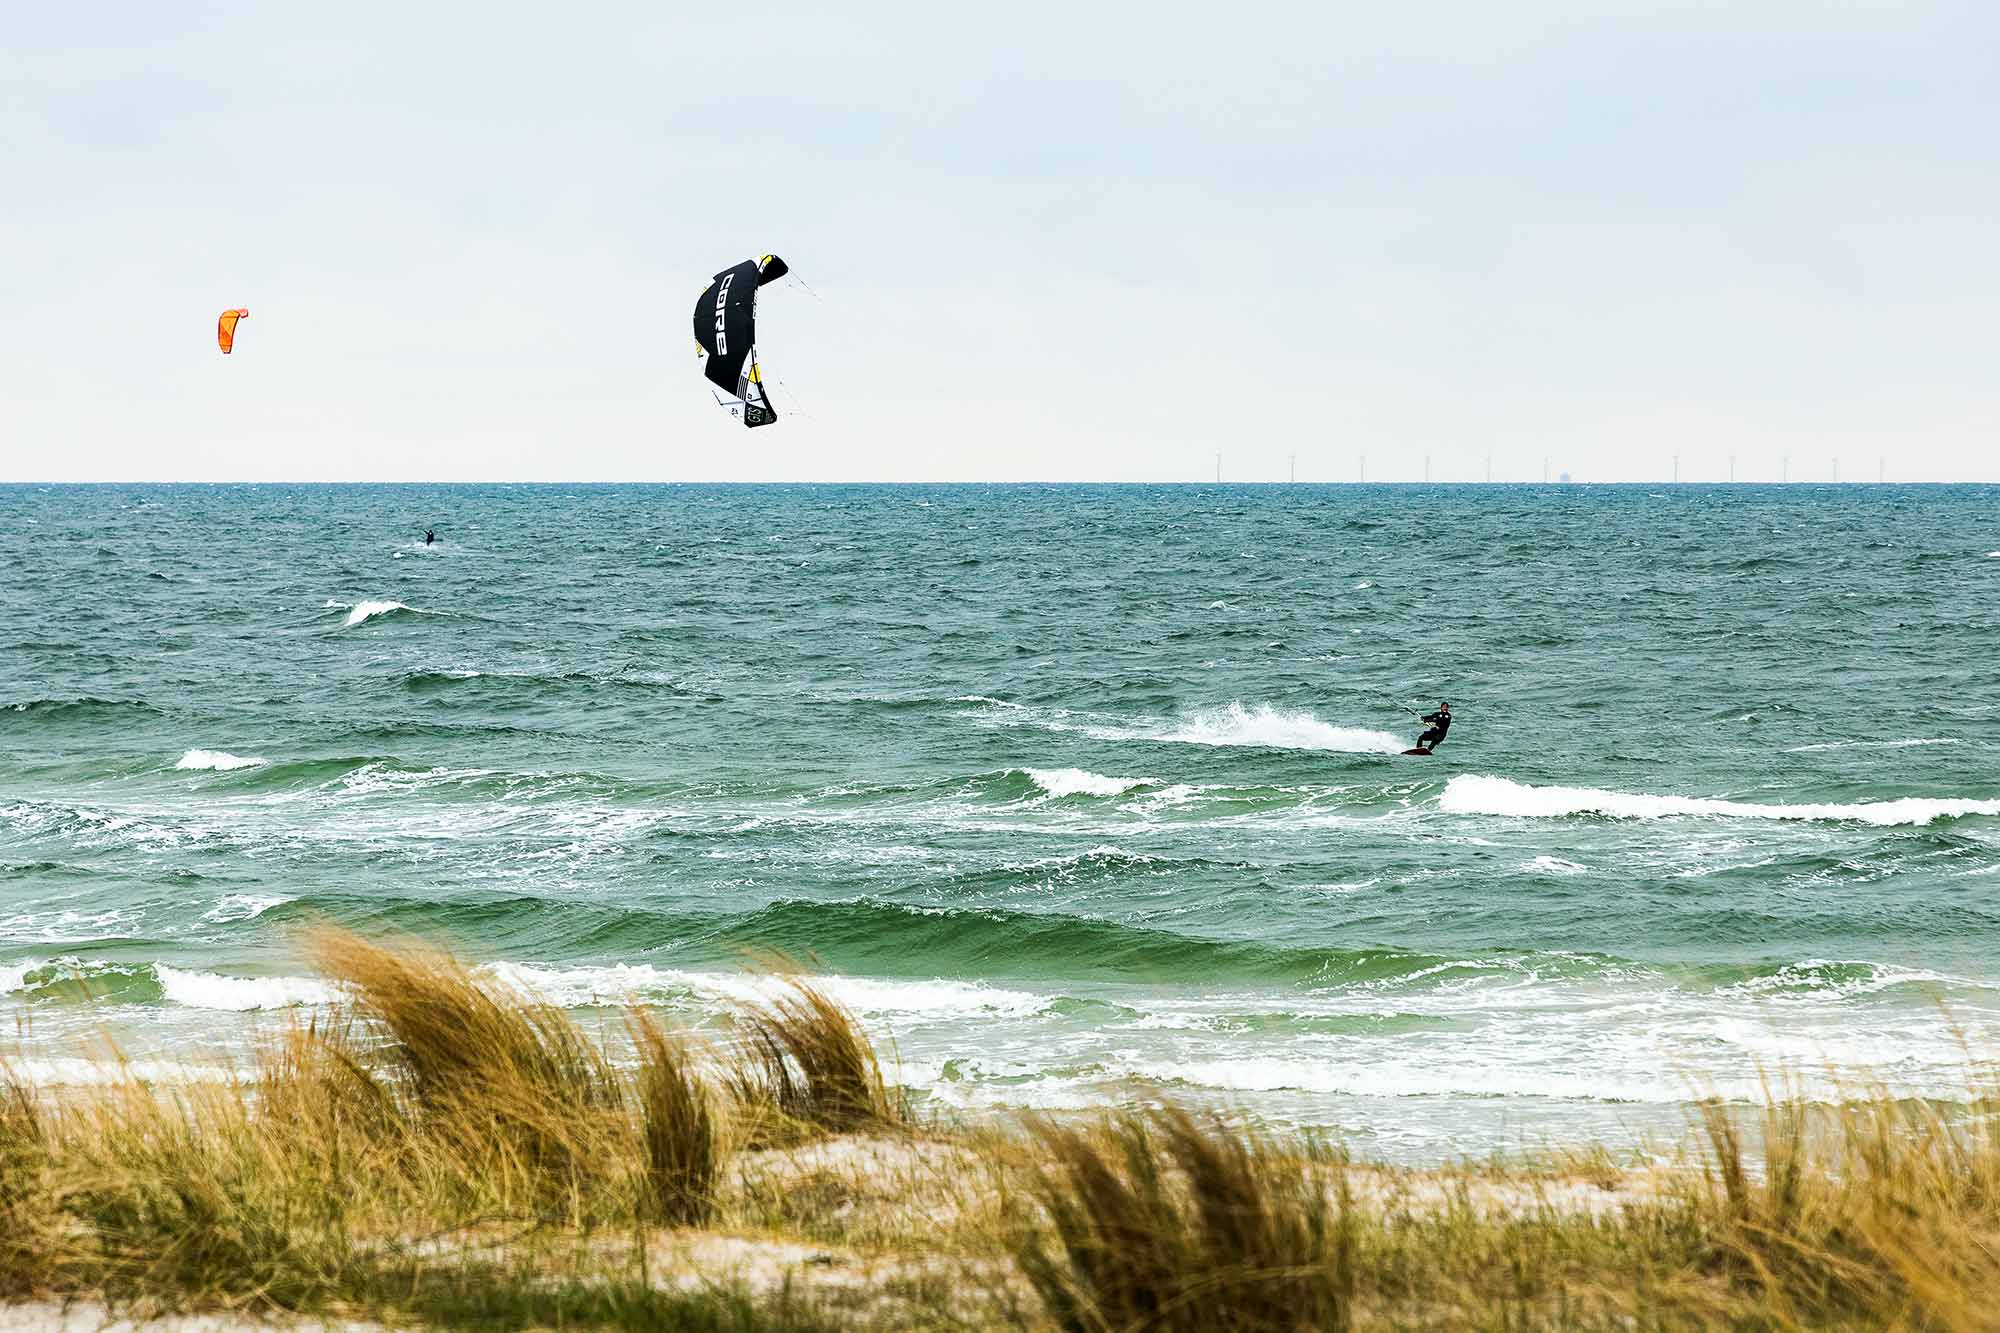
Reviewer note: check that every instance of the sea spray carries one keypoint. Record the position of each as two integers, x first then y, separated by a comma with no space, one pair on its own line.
1254,726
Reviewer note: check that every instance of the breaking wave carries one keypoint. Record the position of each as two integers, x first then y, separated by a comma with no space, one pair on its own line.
361,612
581,987
218,761
242,907
1059,782
1477,794
206,990
76,1071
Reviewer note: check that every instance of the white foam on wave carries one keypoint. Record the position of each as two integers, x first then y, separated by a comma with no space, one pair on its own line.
241,907
1414,1078
1554,865
69,926
938,997
81,1071
583,987
1874,745
593,987
1477,794
1276,729
1816,980
206,990
219,761
1059,782
1103,854
361,611
13,976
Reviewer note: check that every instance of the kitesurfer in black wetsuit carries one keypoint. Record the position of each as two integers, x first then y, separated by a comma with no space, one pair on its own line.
1440,723
430,535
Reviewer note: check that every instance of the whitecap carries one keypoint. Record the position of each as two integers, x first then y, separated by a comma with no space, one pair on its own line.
621,983
1873,745
1100,854
368,610
219,761
938,997
1344,888
1554,865
1060,782
1819,979
1039,1094
1415,1079
69,926
242,907
1477,794
206,990
81,1071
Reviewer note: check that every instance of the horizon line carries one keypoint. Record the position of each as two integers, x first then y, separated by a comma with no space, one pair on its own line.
1417,483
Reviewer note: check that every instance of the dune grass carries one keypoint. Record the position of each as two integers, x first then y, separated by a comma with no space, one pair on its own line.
26,1214
678,1128
443,1149
806,1068
1162,1222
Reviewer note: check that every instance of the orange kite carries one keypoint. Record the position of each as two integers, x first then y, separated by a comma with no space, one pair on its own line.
225,329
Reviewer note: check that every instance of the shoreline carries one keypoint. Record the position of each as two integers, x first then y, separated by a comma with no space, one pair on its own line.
448,1151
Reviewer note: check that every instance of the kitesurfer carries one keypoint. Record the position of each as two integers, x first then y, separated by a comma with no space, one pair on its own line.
1440,723
430,535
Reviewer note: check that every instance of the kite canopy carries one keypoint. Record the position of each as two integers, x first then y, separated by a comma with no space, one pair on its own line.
225,329
725,327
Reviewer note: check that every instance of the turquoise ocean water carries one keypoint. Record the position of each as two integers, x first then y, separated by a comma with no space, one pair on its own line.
1078,794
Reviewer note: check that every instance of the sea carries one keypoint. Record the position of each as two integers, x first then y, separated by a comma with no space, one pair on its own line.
1078,796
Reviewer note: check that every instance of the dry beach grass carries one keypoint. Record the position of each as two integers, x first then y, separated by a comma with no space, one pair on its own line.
445,1150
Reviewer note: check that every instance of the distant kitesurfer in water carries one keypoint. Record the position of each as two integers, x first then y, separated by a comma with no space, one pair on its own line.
430,535
1440,723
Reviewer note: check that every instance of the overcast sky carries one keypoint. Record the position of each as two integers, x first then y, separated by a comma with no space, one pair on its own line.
1053,242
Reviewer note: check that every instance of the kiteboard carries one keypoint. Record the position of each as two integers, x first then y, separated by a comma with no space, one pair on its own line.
1419,750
